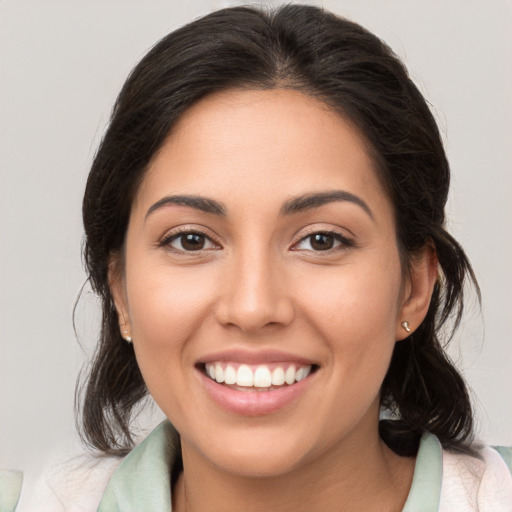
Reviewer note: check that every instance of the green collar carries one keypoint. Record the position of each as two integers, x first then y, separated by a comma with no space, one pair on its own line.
10,488
142,481
425,490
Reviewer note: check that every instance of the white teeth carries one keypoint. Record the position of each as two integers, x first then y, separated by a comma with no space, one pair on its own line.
244,376
301,373
261,377
219,373
289,376
305,371
278,376
230,375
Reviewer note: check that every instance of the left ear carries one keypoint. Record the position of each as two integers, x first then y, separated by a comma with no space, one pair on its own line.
419,285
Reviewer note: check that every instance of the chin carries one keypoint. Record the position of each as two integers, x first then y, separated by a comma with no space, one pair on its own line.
256,463
257,453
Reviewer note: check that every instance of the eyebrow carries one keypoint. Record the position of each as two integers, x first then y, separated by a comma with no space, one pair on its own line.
315,200
290,207
199,203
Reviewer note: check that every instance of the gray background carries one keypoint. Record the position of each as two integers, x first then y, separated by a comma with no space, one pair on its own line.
61,66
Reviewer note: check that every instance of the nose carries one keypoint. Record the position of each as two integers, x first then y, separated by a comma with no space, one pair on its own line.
254,295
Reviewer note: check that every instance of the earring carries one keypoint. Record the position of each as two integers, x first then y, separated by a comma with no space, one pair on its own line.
405,325
127,337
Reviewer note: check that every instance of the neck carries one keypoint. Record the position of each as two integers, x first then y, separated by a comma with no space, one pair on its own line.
360,474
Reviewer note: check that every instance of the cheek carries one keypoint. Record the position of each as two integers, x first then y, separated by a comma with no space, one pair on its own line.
352,300
166,307
355,312
162,306
162,295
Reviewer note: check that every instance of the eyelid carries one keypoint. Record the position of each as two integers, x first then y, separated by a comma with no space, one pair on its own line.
345,241
175,233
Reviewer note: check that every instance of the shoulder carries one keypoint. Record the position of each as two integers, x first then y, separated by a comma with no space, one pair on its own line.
70,484
470,483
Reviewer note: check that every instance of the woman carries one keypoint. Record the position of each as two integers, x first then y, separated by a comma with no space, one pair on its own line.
265,227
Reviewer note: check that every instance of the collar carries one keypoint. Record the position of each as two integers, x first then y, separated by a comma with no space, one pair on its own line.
142,481
425,492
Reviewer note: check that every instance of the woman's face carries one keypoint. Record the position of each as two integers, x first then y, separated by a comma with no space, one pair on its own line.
261,250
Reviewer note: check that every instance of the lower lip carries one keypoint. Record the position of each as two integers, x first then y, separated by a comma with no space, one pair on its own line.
254,403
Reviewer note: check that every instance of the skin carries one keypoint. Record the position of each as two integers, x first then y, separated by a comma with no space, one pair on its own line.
259,284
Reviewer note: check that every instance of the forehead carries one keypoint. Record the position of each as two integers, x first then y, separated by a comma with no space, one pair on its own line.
261,145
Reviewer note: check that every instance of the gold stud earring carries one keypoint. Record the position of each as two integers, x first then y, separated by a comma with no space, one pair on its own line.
127,337
405,325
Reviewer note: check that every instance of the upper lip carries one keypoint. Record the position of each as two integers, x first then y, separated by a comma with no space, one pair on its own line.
255,357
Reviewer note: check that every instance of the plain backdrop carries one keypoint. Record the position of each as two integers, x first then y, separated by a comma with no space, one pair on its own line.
61,66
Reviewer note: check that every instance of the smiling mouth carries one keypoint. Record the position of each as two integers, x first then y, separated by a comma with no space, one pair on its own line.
260,377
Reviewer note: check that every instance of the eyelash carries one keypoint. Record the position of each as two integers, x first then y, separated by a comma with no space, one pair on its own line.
171,237
344,241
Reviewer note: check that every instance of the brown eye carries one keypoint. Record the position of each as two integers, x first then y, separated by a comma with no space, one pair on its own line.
323,241
192,242
189,242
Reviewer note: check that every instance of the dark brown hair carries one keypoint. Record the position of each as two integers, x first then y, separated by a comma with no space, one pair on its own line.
356,74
